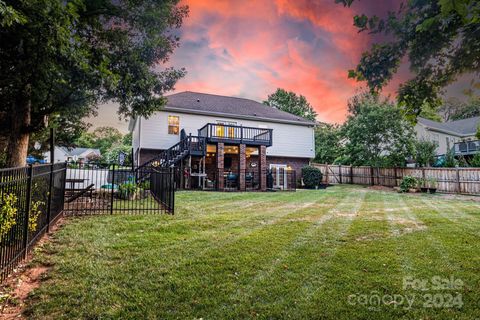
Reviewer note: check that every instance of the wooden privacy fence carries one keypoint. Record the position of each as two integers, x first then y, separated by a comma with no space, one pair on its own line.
449,180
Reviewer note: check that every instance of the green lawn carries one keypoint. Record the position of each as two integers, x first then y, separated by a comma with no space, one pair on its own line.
319,254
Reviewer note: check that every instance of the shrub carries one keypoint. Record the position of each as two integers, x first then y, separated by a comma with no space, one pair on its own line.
8,212
408,182
450,161
127,188
312,177
475,162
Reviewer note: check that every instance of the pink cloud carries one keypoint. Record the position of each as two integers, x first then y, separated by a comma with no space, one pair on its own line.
250,48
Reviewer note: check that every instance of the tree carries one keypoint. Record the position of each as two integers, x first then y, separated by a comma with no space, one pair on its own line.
291,103
431,113
103,138
327,143
441,39
425,152
465,110
376,133
475,162
64,57
450,161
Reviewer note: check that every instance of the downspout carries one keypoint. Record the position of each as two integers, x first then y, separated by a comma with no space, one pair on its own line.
139,139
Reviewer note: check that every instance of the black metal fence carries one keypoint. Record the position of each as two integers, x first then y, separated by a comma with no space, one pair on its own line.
31,200
97,188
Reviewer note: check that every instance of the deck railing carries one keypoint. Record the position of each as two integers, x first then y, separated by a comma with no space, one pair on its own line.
215,132
466,147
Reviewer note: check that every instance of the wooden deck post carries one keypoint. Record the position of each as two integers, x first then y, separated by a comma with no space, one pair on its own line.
220,166
262,168
242,166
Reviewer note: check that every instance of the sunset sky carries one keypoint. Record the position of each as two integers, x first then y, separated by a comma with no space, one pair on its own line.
250,48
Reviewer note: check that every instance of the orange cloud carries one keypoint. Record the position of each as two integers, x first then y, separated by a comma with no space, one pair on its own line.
250,48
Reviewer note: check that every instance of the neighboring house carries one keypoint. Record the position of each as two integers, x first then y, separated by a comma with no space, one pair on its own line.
242,136
459,135
82,155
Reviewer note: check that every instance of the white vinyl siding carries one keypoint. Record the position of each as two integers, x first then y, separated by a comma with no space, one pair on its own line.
289,140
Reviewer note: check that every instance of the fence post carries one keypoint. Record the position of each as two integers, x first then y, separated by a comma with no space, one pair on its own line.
351,174
326,171
372,178
459,186
396,176
50,191
27,209
340,173
113,190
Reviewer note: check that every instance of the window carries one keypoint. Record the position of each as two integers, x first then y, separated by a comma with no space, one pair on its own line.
173,125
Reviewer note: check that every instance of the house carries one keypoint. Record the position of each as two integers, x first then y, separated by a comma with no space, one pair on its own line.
81,155
224,142
459,135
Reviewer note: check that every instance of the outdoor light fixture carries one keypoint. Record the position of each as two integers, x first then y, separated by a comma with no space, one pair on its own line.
37,145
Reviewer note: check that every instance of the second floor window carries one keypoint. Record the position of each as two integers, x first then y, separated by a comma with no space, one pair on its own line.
173,125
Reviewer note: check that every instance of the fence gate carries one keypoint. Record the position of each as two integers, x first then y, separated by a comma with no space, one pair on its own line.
110,188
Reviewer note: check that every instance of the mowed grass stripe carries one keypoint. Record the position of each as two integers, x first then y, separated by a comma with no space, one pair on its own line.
266,256
318,228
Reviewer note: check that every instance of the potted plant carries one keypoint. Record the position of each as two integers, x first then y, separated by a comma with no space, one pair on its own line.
432,185
423,185
408,184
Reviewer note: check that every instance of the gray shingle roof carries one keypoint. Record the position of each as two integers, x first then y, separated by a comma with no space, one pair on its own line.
229,106
465,127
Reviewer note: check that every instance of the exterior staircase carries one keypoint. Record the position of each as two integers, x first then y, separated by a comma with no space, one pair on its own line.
191,145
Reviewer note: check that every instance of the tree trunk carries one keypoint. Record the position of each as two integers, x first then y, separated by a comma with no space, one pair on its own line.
17,147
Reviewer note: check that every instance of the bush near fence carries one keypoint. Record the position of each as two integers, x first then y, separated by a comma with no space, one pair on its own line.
449,180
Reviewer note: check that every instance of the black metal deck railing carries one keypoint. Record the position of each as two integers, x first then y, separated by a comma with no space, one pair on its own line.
215,132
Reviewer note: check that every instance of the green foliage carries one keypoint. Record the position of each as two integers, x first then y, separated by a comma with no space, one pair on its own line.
64,58
291,103
110,141
475,162
478,132
450,161
431,113
376,133
127,188
408,182
441,39
327,143
312,177
10,16
432,183
455,109
8,213
145,185
425,152
35,212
